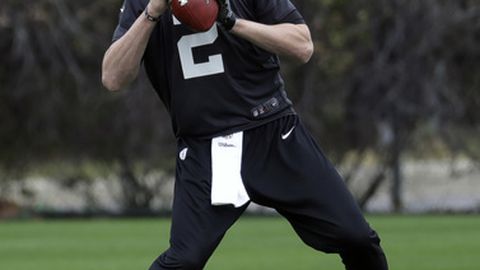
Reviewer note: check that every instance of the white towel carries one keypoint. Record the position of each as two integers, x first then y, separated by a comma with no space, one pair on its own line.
227,183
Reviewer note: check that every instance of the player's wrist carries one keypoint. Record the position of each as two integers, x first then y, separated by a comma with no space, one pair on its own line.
229,21
155,9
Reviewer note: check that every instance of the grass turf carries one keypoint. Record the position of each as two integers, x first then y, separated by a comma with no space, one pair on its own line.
411,243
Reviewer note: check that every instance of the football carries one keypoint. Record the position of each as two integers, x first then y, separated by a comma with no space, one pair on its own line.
198,15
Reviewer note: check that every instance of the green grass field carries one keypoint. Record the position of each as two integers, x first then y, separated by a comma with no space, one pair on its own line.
411,243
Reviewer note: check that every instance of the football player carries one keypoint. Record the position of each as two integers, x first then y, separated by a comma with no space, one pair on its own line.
239,139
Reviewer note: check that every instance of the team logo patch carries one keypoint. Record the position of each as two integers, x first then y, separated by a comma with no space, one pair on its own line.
183,154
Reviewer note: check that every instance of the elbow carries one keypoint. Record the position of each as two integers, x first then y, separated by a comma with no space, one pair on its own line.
305,52
114,81
115,78
304,48
302,53
111,83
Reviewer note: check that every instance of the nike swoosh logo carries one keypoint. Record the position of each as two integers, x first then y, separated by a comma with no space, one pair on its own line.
286,135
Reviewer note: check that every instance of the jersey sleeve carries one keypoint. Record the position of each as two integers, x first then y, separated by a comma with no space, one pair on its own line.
277,11
129,13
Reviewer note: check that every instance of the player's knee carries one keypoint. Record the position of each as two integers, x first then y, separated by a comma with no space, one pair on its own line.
193,261
355,238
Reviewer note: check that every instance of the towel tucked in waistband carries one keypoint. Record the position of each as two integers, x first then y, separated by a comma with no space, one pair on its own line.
227,183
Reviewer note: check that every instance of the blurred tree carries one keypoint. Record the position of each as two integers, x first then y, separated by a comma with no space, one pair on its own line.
52,104
383,72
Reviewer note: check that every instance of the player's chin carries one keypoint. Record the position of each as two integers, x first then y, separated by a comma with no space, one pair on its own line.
204,29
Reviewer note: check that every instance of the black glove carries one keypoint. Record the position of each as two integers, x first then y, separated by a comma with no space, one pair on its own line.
226,17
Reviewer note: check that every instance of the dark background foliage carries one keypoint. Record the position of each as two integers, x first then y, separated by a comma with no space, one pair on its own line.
388,77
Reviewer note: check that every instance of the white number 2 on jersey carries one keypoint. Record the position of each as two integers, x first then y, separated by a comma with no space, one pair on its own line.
185,45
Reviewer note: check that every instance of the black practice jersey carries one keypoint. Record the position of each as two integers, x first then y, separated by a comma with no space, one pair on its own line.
214,83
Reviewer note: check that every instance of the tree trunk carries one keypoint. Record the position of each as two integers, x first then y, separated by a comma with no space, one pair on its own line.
395,165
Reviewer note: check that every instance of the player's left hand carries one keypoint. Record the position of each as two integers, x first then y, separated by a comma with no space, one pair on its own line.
226,17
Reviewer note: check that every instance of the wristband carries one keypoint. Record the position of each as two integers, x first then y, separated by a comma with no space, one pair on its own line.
150,17
229,21
226,17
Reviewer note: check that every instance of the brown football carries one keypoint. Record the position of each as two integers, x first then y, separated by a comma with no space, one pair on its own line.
198,15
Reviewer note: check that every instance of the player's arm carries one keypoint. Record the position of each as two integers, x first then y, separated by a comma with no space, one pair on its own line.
122,60
291,40
288,39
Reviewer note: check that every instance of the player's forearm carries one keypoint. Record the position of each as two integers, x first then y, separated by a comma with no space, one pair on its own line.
286,39
122,60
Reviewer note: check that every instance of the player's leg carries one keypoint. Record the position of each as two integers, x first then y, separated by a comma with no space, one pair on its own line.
197,226
287,171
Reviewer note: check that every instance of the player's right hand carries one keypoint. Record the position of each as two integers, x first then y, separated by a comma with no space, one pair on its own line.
158,7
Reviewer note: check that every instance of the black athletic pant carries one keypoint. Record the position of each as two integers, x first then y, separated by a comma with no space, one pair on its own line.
290,175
